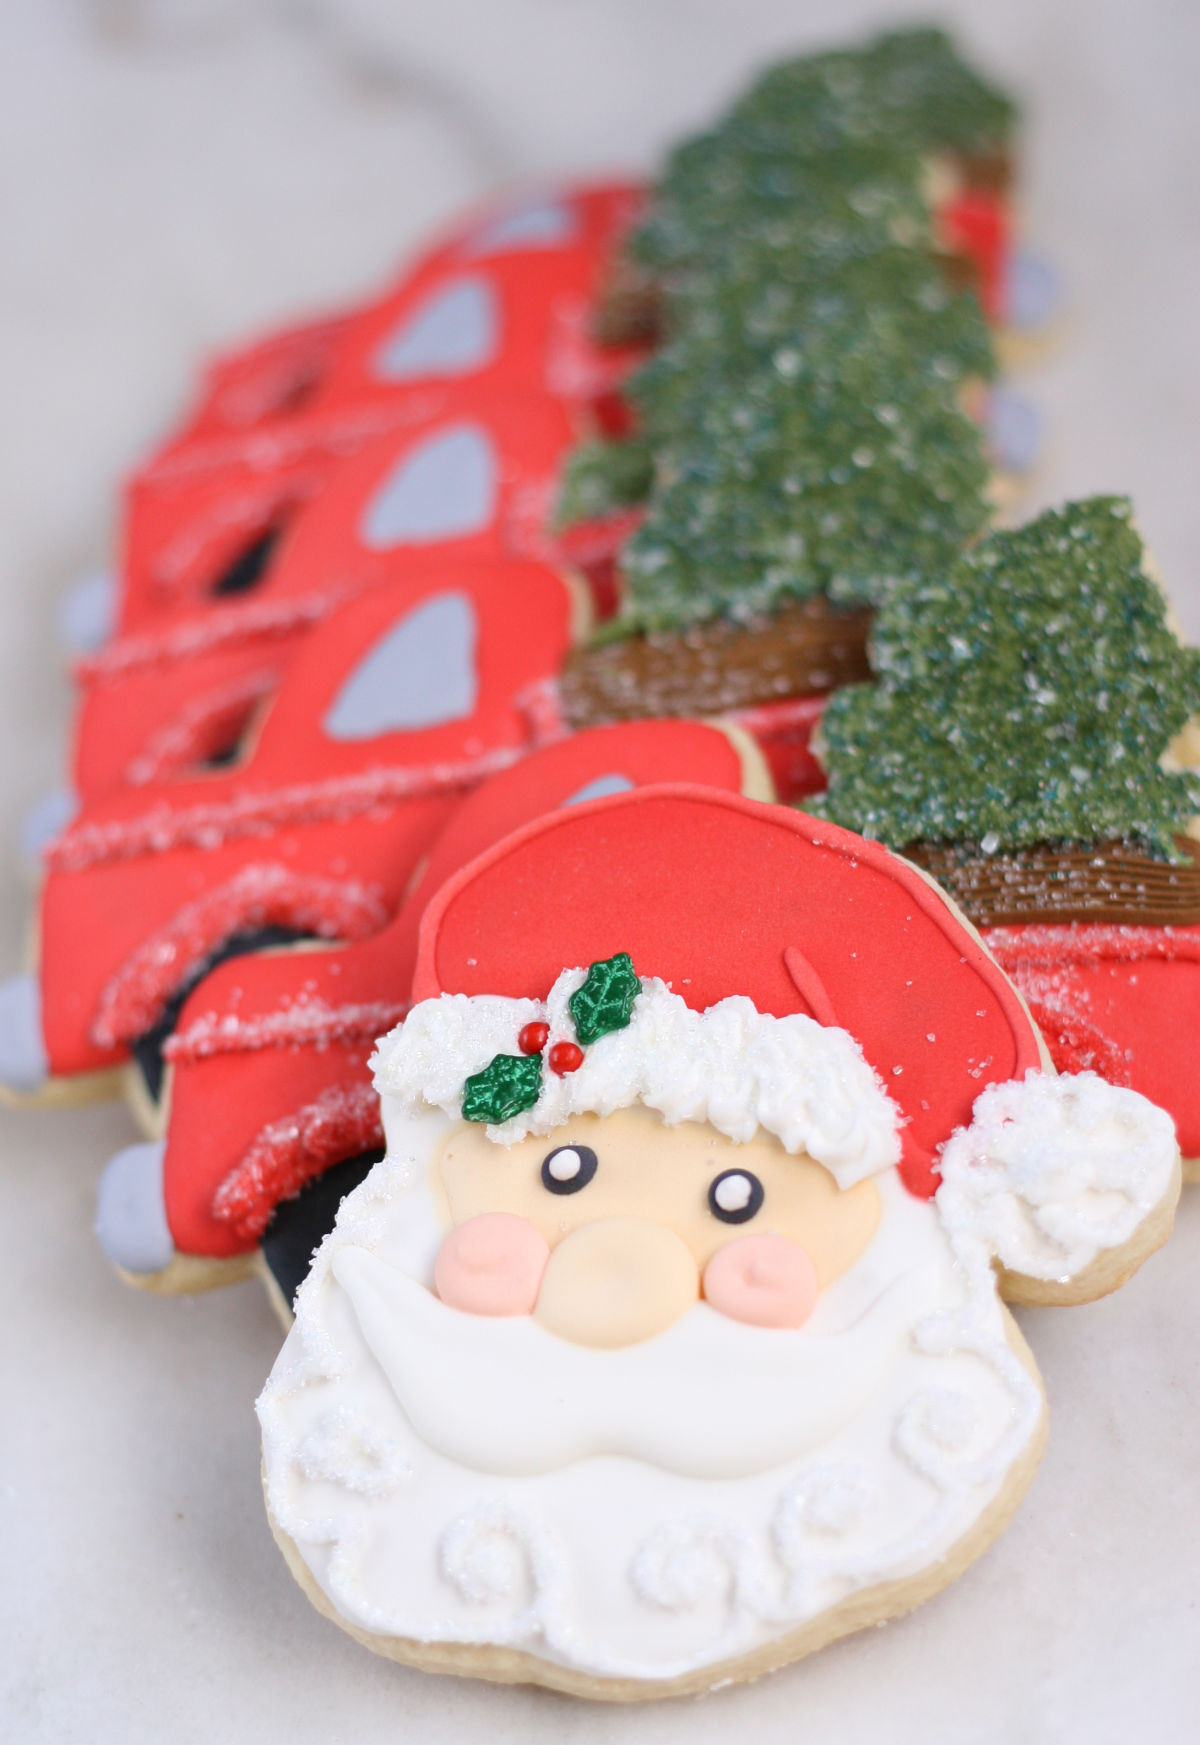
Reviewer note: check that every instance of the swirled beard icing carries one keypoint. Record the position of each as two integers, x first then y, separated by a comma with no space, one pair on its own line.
650,1556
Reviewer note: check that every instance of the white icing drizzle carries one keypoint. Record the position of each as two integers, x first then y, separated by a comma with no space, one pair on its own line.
1054,1170
735,1067
344,1448
495,1554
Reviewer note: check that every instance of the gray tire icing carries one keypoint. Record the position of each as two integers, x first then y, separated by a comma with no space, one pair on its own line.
24,1065
454,332
599,789
446,489
131,1217
1014,429
420,673
548,224
1034,292
87,612
45,820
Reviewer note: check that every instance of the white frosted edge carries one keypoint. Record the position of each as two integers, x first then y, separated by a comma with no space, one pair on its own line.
1054,1170
735,1067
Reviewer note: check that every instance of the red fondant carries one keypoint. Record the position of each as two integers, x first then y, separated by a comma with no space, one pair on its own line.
144,686
275,416
267,378
1120,1001
262,1035
267,895
809,985
784,733
208,727
143,863
708,891
565,1057
340,1123
533,1038
976,223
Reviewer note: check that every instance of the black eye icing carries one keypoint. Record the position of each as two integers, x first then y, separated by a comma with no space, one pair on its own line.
569,1168
735,1196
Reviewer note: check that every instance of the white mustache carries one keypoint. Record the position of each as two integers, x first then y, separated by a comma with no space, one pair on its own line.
709,1398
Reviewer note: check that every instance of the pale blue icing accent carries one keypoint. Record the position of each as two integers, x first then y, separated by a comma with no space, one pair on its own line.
1014,427
1034,293
599,789
87,612
444,489
45,820
452,333
131,1214
24,1065
421,673
547,224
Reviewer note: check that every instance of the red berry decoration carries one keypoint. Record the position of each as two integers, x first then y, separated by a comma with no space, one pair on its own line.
533,1037
565,1057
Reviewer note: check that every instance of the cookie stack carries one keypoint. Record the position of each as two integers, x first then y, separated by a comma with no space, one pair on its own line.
576,767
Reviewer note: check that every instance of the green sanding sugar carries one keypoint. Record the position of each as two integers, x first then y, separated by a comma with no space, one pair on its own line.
1025,695
801,428
603,477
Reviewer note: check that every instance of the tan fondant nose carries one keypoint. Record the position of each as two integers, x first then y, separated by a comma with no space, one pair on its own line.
617,1281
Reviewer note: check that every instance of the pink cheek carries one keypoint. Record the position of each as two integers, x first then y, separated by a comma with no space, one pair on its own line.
492,1265
768,1281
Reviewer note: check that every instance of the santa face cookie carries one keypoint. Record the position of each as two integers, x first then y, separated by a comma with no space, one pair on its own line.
270,1116
638,1366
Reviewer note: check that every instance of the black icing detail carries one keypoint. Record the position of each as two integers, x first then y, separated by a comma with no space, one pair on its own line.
299,1225
224,755
250,565
743,1214
581,1178
147,1048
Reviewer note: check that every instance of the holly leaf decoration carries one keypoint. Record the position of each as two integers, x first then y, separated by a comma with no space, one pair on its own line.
605,1001
508,1085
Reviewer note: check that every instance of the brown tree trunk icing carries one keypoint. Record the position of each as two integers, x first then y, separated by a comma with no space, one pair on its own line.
805,649
1111,882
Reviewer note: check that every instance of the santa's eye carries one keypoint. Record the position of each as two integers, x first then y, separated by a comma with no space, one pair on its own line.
568,1169
735,1196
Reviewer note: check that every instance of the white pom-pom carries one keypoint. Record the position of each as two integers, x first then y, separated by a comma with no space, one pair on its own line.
1054,1170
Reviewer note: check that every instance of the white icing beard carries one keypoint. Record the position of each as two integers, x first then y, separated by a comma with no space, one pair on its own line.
636,1513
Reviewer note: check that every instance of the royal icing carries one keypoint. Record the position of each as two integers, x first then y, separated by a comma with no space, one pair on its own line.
1053,1171
705,1479
446,487
645,1414
732,1067
1119,1000
259,1040
934,1016
144,884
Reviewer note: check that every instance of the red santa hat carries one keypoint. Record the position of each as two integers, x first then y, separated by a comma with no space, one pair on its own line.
719,895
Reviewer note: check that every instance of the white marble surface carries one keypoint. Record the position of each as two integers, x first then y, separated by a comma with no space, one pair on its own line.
175,172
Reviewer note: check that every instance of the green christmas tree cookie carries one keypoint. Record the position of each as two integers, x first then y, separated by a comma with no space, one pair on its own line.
1025,695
